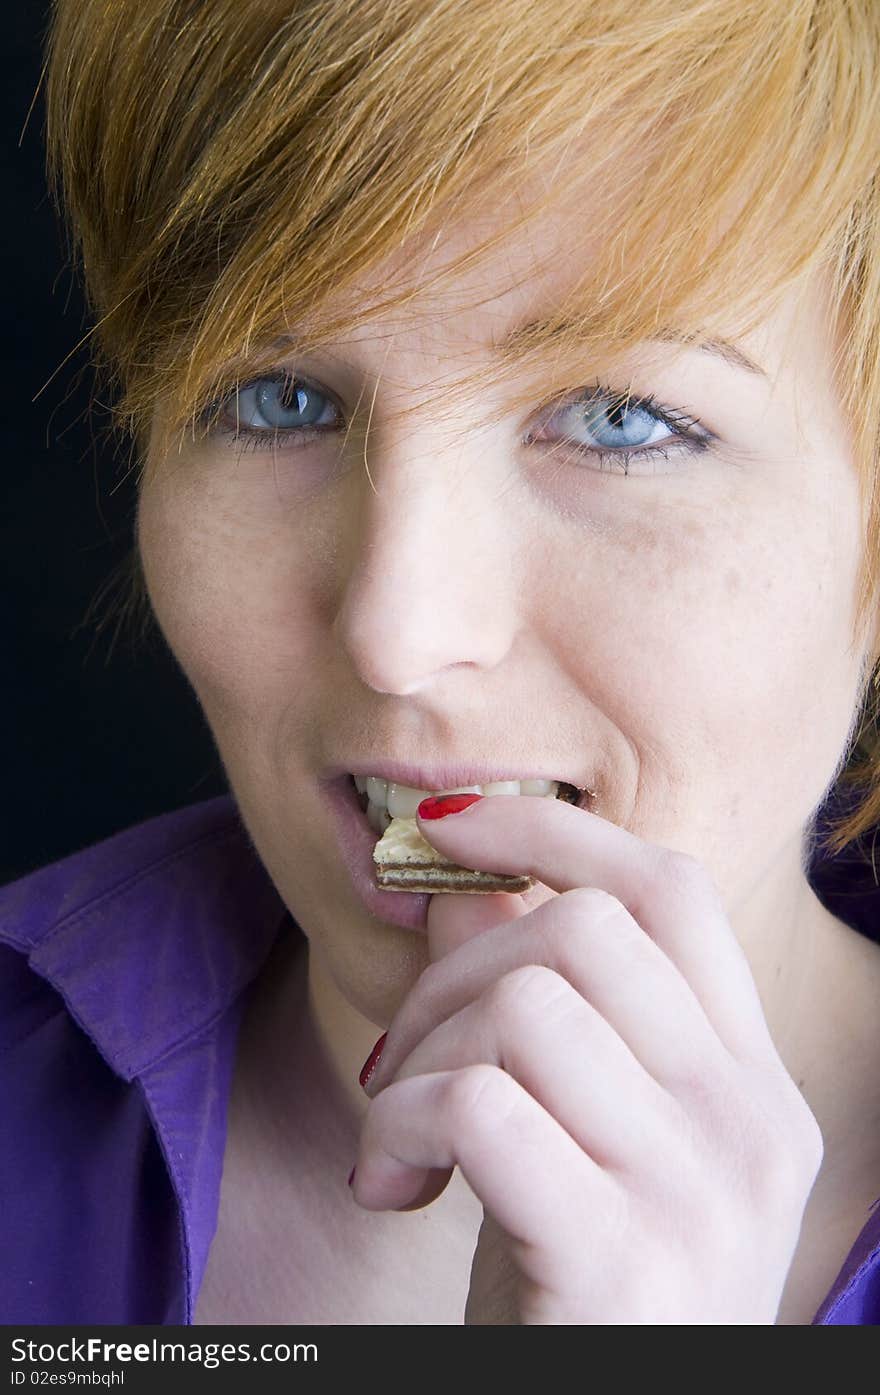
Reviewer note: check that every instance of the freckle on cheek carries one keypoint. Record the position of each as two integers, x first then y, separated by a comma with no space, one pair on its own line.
733,581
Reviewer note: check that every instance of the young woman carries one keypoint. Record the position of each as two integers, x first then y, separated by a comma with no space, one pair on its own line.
505,384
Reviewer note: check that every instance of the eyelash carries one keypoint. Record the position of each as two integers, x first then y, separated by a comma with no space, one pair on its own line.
689,442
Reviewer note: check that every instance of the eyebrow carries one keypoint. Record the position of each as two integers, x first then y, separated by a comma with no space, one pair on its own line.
508,347
720,348
723,349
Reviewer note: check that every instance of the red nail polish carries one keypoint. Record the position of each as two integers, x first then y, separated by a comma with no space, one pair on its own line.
443,804
372,1061
351,1176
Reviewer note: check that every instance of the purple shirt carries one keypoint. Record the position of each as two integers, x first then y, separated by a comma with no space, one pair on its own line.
123,972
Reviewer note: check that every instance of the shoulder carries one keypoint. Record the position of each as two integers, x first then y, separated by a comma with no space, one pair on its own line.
33,906
117,967
145,935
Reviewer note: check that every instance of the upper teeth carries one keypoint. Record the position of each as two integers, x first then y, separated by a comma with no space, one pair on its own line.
401,801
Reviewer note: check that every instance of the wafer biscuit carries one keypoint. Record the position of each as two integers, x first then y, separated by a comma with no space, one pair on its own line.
406,862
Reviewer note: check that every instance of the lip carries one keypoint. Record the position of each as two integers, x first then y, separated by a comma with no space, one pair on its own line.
440,777
356,841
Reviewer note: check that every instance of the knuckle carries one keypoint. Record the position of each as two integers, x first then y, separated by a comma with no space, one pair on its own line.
574,937
776,1176
480,1096
525,991
572,924
591,902
783,1157
772,1146
791,1128
802,1139
703,1080
812,1144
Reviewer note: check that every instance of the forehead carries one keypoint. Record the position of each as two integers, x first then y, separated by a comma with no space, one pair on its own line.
464,298
456,289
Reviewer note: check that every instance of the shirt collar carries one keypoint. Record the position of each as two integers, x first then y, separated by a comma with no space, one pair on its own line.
153,933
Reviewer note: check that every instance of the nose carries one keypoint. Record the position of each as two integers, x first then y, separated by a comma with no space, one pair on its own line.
431,570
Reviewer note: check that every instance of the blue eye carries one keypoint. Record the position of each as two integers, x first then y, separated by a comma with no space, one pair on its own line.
627,425
617,429
283,405
268,410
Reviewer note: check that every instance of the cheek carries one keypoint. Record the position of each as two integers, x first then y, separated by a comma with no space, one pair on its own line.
716,640
229,601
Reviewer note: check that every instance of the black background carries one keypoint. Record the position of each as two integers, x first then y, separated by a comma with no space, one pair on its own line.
99,732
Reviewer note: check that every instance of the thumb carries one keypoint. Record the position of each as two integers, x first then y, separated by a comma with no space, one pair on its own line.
454,917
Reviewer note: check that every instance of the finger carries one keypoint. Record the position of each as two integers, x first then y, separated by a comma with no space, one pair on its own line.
505,1143
455,919
589,941
532,1024
669,894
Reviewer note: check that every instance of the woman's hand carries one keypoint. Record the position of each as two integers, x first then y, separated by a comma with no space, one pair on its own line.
601,1071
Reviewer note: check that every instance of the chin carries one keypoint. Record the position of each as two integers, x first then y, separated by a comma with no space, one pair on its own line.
373,970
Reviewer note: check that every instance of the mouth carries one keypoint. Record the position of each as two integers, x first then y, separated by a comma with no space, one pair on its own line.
404,906
382,801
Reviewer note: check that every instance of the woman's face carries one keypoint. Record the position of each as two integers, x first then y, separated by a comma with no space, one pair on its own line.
678,638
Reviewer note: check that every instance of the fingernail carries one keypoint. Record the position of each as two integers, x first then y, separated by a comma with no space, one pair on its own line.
372,1061
442,804
351,1176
